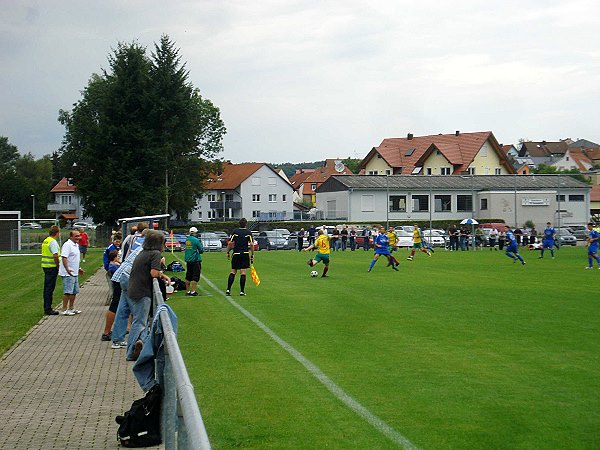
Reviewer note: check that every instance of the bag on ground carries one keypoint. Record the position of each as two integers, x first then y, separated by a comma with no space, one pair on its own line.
140,426
178,284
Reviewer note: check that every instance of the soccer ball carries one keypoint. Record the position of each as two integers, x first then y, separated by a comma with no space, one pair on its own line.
314,273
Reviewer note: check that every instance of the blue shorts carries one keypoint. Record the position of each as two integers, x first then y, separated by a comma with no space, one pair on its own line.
70,285
512,248
593,250
382,250
548,243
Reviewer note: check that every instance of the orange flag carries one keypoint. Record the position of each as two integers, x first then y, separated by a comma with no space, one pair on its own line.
254,275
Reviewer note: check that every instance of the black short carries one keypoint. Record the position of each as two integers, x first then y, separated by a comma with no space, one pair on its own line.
193,271
240,261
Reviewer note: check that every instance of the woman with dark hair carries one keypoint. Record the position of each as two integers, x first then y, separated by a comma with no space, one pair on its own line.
146,267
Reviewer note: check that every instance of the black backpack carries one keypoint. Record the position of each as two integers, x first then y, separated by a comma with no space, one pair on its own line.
140,426
178,285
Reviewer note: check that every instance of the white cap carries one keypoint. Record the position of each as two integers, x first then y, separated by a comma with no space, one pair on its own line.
193,230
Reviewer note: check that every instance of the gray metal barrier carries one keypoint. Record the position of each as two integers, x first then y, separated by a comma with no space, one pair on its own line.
182,426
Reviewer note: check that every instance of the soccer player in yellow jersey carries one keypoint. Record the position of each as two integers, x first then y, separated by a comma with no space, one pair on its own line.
417,243
393,237
322,246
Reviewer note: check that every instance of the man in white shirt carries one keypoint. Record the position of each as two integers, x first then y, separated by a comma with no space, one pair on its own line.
69,270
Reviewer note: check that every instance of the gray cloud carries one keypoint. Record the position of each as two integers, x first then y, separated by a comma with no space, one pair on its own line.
305,80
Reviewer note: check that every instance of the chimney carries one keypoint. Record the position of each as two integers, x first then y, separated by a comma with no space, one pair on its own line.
409,136
457,132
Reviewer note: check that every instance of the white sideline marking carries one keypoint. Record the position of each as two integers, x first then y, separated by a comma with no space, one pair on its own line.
337,391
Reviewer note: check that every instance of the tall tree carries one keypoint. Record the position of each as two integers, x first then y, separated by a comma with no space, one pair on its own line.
137,131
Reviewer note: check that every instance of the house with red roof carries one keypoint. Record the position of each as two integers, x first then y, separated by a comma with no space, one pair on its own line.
66,203
442,154
306,181
250,190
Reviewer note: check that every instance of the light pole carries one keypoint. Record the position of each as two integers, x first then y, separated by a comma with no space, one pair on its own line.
33,205
223,198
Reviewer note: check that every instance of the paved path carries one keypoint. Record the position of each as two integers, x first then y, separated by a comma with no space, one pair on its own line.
61,387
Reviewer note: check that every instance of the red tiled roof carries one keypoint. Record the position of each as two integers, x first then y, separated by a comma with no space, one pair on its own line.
232,176
316,176
583,162
64,186
460,149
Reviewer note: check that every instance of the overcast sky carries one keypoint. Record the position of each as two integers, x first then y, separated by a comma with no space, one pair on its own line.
306,80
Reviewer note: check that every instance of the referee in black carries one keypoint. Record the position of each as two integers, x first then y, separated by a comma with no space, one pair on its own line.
240,242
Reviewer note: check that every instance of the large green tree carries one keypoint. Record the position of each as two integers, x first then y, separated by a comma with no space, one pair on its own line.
22,177
139,132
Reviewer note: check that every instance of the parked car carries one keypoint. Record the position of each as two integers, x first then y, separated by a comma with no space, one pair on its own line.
83,225
272,240
31,225
565,237
210,241
282,231
405,239
224,237
434,238
172,244
293,240
579,231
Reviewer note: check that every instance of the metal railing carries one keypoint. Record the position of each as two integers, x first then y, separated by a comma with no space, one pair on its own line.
182,426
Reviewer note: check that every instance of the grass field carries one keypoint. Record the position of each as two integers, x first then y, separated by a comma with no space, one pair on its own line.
460,350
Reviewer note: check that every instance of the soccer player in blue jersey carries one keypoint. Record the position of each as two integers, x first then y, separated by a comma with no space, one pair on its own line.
512,249
593,243
382,247
548,242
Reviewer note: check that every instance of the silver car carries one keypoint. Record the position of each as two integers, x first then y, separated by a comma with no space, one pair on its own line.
565,237
210,242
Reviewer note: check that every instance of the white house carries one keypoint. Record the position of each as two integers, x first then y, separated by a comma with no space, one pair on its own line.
250,190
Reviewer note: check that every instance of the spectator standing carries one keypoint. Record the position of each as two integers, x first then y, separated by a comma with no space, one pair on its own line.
501,240
312,231
336,243
453,233
113,266
367,239
50,263
300,237
493,237
114,245
145,268
193,259
84,242
352,238
532,236
242,247
517,233
344,235
134,240
69,270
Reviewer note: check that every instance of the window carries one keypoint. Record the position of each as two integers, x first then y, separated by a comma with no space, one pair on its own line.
283,197
420,203
498,171
576,198
255,181
397,203
199,214
256,197
471,171
372,172
313,187
65,200
211,197
366,203
483,203
560,198
445,171
388,172
483,151
428,171
272,198
272,181
443,203
464,203
256,213
229,197
211,214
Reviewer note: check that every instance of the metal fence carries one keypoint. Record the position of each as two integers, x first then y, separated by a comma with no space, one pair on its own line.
182,426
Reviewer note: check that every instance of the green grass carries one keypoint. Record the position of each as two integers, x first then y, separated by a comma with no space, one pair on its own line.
461,350
21,293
